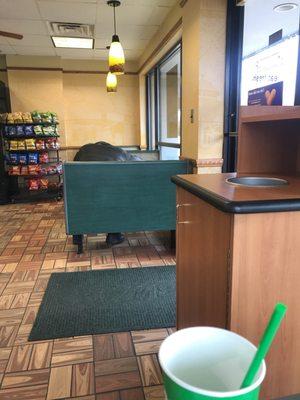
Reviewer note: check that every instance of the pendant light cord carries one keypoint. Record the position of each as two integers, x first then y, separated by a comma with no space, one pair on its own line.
115,19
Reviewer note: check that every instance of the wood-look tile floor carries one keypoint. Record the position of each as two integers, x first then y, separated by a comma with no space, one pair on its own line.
118,366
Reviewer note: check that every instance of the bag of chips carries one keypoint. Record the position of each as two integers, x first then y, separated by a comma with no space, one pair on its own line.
21,145
33,184
49,130
43,170
19,130
43,184
40,144
24,170
14,158
13,145
52,144
11,131
51,170
23,159
28,130
17,117
59,169
30,144
27,117
54,118
33,158
34,170
44,158
36,117
38,130
46,117
15,170
9,118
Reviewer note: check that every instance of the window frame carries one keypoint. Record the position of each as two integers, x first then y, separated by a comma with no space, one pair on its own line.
153,140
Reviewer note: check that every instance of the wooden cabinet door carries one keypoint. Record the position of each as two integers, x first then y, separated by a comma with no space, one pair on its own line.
203,273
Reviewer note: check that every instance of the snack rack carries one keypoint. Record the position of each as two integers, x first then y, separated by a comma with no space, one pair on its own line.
32,162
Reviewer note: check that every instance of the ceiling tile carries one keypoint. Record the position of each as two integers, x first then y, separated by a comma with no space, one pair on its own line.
125,15
19,9
6,49
62,11
32,40
34,50
75,53
26,26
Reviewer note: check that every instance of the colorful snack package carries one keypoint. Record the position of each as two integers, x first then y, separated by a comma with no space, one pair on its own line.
28,130
27,117
34,170
7,145
23,159
36,117
59,168
11,131
14,158
49,130
33,158
51,170
21,145
15,170
38,130
40,144
52,144
9,118
46,117
54,118
24,170
19,130
33,184
43,184
30,144
44,158
17,117
43,170
13,145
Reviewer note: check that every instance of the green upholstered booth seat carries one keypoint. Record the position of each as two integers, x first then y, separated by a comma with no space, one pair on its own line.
103,197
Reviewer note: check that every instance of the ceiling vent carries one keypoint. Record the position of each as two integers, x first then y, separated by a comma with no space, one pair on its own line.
71,29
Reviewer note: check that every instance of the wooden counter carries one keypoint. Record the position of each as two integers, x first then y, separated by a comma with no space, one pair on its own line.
238,254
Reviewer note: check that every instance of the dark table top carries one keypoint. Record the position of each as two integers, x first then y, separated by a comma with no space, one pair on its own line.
214,189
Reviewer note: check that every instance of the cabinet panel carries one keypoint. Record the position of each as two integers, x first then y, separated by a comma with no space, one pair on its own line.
203,242
265,257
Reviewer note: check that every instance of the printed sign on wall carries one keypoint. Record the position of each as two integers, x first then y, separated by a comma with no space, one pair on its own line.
270,95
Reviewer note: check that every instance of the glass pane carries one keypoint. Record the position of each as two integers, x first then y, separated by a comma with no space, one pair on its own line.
170,99
169,153
270,54
151,110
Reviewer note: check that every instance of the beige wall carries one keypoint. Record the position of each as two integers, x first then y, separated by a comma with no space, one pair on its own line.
92,114
204,41
87,113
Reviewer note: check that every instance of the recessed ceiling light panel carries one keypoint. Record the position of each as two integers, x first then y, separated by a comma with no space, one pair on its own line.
284,7
72,42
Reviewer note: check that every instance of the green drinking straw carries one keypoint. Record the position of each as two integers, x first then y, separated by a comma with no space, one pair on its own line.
265,343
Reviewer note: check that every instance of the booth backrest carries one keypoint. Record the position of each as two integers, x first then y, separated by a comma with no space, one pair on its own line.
120,196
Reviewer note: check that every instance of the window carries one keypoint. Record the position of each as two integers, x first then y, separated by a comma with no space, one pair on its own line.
164,106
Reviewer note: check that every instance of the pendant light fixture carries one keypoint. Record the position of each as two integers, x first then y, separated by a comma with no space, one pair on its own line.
111,83
116,58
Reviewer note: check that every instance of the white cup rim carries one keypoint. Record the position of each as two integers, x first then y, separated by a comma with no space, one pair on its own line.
205,392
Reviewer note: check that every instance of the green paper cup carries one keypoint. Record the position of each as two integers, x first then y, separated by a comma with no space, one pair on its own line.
208,363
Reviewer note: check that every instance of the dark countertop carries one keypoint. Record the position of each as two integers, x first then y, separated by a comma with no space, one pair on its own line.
214,189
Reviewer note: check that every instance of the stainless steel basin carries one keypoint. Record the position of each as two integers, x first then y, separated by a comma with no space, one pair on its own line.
257,181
